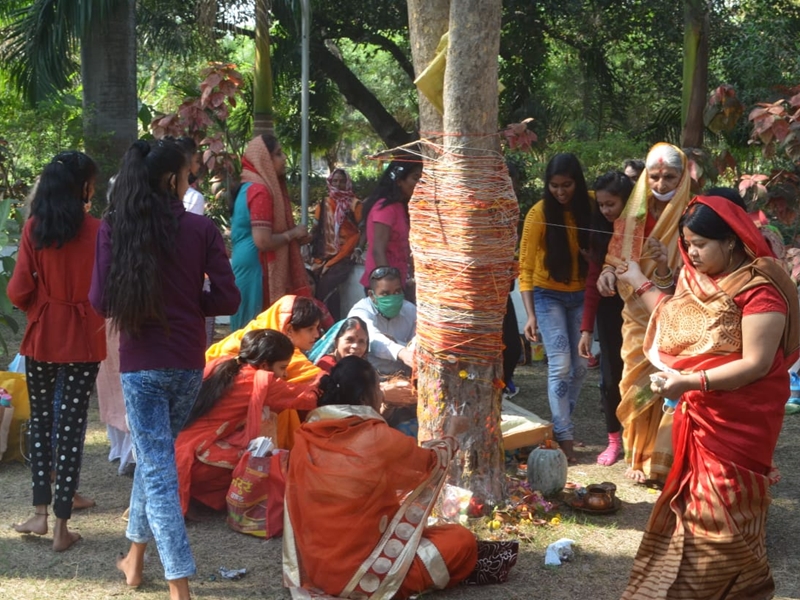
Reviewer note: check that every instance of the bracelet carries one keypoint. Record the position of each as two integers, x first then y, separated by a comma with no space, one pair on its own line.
663,282
703,381
642,289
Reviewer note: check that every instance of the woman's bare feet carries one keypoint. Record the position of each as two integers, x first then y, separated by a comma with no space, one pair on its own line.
132,564
80,502
636,475
179,589
37,524
63,538
568,448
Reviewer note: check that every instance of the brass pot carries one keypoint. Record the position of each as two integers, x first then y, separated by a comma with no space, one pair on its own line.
597,498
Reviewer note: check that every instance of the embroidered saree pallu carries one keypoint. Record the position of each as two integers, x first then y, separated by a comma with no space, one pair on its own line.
705,539
357,504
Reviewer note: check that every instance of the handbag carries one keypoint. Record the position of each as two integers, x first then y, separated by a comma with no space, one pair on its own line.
255,496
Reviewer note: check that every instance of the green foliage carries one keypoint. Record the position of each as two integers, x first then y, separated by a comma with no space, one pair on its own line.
12,194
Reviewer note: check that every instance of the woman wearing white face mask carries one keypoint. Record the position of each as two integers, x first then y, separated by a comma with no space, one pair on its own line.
646,232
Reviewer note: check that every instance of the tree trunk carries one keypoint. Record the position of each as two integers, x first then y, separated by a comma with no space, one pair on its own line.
262,78
108,74
463,235
428,21
695,72
360,98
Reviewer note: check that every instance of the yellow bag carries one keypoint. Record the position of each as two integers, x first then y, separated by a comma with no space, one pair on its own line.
16,385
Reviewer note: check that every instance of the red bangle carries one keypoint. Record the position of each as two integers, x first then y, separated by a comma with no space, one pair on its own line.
703,382
647,285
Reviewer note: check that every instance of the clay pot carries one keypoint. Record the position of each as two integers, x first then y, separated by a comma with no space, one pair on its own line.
547,470
597,498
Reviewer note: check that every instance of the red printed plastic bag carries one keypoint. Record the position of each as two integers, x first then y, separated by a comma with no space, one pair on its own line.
255,497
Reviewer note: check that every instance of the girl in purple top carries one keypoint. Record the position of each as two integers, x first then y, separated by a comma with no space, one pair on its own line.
150,264
386,215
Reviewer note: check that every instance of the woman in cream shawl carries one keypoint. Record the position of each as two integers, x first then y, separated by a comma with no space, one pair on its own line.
646,232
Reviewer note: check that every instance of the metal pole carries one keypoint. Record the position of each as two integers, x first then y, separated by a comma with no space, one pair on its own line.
304,154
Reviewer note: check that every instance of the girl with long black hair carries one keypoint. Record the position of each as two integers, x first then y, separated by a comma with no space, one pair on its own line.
152,257
64,335
611,191
552,275
386,220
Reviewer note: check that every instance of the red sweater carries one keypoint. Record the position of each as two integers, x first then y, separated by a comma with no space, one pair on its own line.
52,286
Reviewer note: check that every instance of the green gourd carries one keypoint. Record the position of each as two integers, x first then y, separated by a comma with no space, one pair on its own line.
547,470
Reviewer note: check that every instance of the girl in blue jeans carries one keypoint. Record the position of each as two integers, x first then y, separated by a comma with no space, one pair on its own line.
152,258
552,278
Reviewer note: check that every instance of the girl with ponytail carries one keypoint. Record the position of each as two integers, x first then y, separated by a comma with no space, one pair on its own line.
64,336
238,401
152,258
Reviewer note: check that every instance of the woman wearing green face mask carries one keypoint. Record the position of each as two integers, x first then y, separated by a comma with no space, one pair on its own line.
391,322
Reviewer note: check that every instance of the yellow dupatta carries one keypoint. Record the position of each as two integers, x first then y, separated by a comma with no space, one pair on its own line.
647,430
300,370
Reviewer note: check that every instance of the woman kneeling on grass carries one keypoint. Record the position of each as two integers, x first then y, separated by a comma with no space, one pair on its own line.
358,496
233,407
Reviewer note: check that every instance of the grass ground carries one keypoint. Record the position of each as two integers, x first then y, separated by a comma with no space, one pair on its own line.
604,550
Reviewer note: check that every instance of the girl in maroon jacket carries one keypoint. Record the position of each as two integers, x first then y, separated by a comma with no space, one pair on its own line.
64,334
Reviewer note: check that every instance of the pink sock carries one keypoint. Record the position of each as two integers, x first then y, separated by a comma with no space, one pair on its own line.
610,455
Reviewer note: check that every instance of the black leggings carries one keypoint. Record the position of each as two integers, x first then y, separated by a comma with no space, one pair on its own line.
511,341
79,381
609,333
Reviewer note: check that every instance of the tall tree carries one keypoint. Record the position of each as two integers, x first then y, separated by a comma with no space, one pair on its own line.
108,74
262,78
428,21
459,329
695,71
41,38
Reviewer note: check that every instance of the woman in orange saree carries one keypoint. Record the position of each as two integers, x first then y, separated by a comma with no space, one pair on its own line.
723,343
233,407
298,318
358,496
647,228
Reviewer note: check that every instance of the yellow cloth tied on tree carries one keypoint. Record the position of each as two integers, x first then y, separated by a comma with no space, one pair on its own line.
431,81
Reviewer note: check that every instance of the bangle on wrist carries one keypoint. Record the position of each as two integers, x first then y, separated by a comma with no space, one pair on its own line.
644,288
703,382
663,282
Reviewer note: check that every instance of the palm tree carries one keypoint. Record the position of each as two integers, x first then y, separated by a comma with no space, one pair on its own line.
41,40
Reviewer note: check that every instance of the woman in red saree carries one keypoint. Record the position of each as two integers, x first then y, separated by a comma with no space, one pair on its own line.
358,496
723,344
298,318
235,405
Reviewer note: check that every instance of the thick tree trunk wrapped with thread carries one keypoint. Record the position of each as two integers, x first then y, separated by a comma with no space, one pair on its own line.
463,235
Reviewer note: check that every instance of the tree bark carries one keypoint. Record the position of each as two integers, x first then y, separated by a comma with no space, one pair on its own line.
695,72
359,96
262,78
460,384
428,21
108,74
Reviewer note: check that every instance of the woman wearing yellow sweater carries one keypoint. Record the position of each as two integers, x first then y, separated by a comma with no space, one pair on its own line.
552,279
